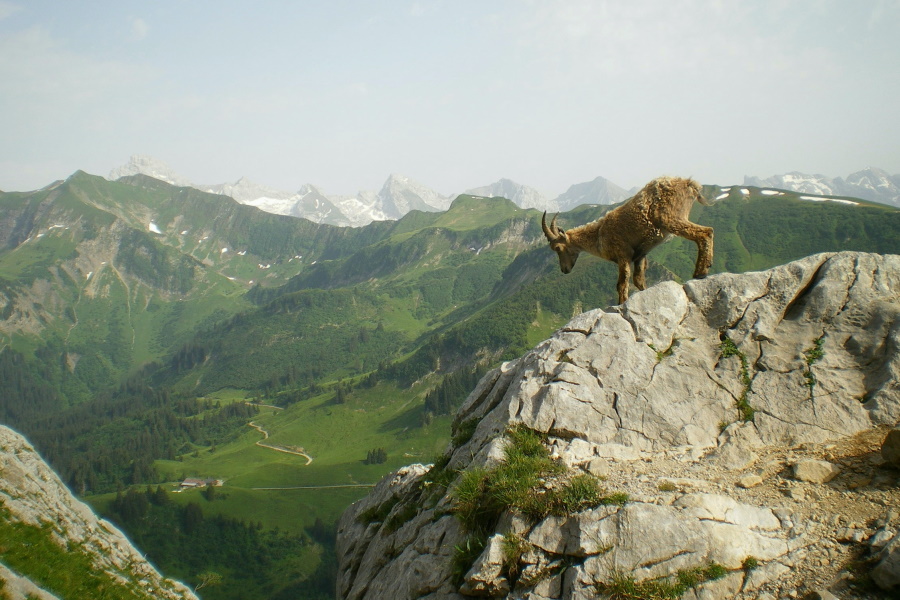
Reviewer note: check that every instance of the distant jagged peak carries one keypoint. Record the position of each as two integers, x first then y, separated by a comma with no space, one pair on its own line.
140,164
309,188
597,191
522,195
401,194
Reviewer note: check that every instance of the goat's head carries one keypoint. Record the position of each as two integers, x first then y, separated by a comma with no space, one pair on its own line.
559,243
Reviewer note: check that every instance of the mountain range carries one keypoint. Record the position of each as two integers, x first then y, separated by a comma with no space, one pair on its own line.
400,194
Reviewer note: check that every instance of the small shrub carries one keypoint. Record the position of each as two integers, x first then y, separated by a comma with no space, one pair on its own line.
514,547
439,474
581,492
464,555
749,563
813,355
464,432
727,349
377,513
619,498
401,517
667,486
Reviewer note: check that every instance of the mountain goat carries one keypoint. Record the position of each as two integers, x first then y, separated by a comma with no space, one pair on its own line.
626,234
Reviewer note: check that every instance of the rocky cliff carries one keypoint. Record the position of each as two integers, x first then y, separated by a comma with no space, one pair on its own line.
725,438
53,546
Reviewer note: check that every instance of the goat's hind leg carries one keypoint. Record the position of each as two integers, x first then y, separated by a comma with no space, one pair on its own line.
622,284
703,237
640,273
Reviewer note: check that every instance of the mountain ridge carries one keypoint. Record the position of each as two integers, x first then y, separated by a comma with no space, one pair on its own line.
399,194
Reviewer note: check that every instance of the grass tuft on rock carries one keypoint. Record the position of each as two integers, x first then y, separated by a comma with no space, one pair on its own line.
529,482
624,587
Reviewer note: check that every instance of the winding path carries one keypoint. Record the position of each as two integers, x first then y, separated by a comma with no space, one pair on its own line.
286,450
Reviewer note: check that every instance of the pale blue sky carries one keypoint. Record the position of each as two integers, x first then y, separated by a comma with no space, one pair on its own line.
452,94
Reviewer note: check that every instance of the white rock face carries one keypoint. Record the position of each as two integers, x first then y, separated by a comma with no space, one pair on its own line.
152,167
33,494
598,191
648,394
522,196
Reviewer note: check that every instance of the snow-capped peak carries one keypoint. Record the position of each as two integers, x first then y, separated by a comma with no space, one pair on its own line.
869,184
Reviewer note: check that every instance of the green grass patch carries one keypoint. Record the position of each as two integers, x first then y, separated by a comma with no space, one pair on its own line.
661,354
624,587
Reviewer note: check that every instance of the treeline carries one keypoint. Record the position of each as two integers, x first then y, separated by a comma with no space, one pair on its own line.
26,388
377,456
239,560
112,441
449,395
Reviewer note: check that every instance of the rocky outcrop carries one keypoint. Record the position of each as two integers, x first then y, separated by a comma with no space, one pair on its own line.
738,421
33,497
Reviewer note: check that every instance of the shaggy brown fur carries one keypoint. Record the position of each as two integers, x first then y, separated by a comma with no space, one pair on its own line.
626,234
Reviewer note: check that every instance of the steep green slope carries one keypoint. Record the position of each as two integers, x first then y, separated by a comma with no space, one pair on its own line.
102,278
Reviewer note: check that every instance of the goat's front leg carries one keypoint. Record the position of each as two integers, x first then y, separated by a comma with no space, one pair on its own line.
640,273
622,284
703,237
704,252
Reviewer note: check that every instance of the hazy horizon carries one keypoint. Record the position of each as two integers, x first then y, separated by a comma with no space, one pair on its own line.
452,95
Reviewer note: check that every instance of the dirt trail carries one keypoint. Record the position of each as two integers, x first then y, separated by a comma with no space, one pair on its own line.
285,449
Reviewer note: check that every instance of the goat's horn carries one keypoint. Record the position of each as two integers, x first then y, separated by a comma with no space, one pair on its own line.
557,232
547,230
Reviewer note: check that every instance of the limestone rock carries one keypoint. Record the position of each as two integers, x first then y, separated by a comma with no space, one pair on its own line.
890,449
486,578
815,471
653,395
749,481
886,573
